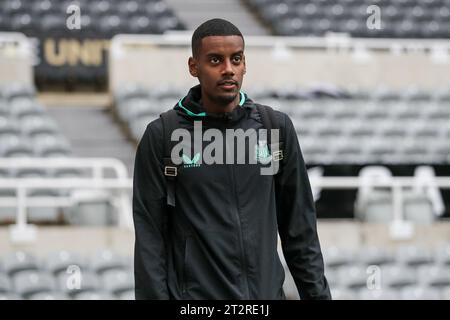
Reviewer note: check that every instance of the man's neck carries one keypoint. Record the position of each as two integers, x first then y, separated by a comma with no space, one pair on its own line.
214,107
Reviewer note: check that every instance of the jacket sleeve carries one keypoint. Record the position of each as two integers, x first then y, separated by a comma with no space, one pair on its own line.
149,214
297,221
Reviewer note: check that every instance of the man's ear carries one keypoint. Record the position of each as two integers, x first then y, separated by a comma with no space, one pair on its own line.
192,63
245,66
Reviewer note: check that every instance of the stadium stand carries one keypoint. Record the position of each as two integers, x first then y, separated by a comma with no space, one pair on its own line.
76,57
400,19
373,273
350,130
388,107
64,275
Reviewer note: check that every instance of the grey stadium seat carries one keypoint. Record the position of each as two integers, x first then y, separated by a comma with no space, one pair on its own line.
419,293
74,284
340,293
335,257
443,255
91,208
15,147
107,260
445,293
118,281
375,256
418,208
30,282
39,214
10,296
5,284
397,276
353,277
48,296
374,204
19,261
22,107
59,262
414,255
51,146
36,124
15,90
95,295
382,294
8,127
127,295
434,276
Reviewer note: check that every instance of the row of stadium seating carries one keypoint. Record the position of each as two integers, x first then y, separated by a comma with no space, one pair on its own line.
27,131
407,272
398,19
100,19
333,126
25,128
66,275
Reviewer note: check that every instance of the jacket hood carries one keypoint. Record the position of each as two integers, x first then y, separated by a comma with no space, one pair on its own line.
191,107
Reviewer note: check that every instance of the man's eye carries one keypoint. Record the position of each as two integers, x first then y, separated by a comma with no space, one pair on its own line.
237,59
214,60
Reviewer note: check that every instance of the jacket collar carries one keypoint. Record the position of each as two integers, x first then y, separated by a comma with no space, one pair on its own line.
190,106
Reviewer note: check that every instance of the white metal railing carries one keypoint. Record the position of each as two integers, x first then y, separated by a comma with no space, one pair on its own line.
122,184
119,186
399,228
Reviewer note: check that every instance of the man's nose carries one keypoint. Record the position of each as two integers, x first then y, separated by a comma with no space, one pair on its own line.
228,68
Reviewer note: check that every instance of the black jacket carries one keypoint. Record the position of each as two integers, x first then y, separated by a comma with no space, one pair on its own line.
220,240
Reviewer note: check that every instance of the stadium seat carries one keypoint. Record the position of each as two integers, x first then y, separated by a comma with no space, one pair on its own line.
5,284
19,261
397,276
48,296
375,256
59,262
382,294
374,204
90,207
75,284
94,295
434,276
107,260
127,295
419,293
413,255
445,293
339,293
27,283
353,277
118,281
9,296
443,255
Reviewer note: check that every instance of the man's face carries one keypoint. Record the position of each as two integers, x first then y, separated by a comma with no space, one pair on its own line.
219,65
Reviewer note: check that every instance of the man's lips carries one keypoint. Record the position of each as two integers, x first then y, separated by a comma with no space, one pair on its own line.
228,84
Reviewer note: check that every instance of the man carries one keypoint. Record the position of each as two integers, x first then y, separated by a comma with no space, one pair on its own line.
209,230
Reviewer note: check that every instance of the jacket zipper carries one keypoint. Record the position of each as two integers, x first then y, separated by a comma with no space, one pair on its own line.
241,237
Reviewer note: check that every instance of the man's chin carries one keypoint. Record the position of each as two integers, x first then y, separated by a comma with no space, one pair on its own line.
226,99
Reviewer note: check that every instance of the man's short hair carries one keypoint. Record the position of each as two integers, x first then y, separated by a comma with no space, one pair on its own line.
213,27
